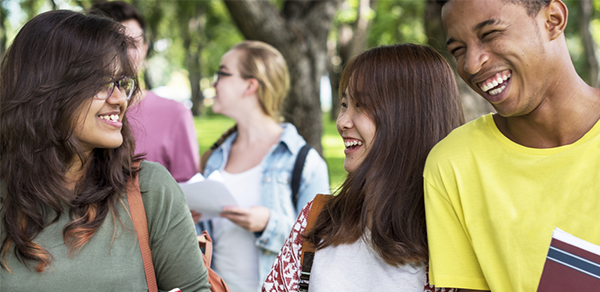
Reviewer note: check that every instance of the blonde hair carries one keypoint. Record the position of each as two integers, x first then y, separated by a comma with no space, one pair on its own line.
266,64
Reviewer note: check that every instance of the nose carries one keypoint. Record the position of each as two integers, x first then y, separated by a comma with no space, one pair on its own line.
117,97
344,120
475,58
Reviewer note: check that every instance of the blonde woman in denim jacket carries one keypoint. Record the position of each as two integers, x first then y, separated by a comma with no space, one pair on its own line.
257,162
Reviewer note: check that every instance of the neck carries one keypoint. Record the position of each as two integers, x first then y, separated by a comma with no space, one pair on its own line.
75,173
562,119
258,129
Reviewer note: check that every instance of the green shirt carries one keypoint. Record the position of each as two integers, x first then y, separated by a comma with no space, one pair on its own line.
111,260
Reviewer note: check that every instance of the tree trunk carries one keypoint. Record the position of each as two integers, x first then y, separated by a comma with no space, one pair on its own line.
153,12
2,29
352,40
192,23
473,104
589,47
300,33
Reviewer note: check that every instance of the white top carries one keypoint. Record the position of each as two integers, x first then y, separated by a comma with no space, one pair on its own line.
357,267
235,255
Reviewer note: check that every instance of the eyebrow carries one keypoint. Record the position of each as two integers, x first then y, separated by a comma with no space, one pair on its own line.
477,27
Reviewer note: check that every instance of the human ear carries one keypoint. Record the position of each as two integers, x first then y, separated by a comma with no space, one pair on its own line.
556,15
252,86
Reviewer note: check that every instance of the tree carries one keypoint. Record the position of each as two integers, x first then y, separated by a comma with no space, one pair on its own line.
3,14
192,22
299,31
352,28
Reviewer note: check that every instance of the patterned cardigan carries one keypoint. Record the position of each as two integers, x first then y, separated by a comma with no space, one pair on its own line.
285,273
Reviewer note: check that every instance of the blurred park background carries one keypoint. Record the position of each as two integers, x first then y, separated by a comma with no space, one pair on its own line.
188,37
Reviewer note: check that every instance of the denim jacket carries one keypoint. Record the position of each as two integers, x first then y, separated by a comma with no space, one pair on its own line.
276,190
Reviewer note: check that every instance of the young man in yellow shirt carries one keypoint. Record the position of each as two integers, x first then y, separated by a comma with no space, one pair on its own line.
496,188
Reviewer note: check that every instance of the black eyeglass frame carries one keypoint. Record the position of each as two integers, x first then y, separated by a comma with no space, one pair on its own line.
118,83
220,73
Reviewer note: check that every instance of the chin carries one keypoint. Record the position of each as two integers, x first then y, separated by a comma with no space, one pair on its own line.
349,168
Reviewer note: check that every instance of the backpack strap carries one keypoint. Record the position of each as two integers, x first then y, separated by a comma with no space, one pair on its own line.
297,172
140,223
308,248
204,157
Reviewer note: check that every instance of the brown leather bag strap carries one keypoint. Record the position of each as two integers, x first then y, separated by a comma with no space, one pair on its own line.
205,242
308,248
140,223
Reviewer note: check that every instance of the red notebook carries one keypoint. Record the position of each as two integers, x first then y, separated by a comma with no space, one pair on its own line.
572,264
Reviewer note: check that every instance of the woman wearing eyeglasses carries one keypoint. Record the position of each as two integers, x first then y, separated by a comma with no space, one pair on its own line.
256,161
66,154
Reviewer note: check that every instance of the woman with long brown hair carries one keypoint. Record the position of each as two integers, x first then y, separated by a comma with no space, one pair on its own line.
397,102
66,155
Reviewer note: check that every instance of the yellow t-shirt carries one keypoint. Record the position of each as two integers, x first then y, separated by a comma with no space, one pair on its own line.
492,205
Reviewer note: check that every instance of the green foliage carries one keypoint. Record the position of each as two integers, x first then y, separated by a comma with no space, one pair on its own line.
221,34
398,22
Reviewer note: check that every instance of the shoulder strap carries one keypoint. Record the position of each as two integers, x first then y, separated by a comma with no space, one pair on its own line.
308,248
204,157
297,172
140,223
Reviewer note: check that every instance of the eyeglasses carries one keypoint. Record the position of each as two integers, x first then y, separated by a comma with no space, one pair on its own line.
126,85
219,74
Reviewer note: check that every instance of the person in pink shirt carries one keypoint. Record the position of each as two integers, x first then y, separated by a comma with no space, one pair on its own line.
163,129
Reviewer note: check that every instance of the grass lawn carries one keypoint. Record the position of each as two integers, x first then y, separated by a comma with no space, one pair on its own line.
210,128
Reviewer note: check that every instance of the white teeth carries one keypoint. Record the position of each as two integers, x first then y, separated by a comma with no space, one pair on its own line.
352,143
499,80
114,118
497,91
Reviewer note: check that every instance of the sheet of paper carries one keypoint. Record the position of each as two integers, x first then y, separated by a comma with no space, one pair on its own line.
207,196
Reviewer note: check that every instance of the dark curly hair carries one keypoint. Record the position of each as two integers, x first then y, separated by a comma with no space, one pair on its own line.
56,64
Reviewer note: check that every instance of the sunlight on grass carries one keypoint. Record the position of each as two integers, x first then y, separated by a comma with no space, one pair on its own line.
210,128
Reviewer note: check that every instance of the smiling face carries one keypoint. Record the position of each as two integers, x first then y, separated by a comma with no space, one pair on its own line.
358,131
99,122
500,51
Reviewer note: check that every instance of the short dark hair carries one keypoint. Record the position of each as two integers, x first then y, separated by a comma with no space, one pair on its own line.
532,6
119,11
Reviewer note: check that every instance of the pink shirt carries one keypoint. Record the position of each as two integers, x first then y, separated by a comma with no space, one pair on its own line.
164,130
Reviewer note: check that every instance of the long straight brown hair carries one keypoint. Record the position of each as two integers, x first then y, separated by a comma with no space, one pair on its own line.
409,91
56,64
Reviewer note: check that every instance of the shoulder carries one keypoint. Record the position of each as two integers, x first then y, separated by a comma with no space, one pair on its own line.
291,138
152,173
463,140
160,191
155,179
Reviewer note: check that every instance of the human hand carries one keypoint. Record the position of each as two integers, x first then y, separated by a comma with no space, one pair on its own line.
196,216
253,219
